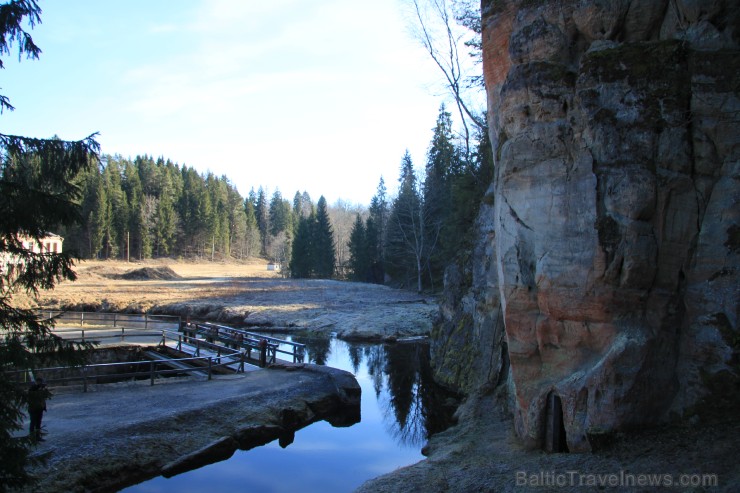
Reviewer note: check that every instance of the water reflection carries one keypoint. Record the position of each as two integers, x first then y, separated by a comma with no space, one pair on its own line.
414,407
401,408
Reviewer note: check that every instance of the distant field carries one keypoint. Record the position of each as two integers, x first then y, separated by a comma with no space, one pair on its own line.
242,293
137,286
188,269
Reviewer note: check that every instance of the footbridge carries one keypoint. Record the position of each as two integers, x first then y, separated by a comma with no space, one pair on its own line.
170,347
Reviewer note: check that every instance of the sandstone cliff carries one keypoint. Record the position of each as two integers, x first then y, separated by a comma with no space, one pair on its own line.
608,258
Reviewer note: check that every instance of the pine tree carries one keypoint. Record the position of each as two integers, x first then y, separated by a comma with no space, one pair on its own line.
302,206
467,187
281,215
118,211
262,211
252,235
405,240
165,225
324,252
359,264
301,259
39,192
98,218
375,230
134,196
237,222
145,224
442,164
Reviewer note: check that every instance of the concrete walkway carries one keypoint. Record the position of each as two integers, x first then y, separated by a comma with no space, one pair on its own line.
119,434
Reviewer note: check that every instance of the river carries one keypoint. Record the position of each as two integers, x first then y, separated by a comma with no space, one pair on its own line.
400,408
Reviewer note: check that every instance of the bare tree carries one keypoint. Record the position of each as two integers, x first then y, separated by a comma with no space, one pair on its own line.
442,33
342,215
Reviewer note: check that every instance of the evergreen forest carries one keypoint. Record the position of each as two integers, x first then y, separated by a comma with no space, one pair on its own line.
141,208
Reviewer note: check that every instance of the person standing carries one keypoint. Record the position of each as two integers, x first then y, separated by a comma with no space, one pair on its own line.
37,396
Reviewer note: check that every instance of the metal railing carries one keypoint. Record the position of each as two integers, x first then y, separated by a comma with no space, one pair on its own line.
243,339
97,333
234,352
152,369
110,319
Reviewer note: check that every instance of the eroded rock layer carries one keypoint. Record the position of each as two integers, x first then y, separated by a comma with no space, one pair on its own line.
606,270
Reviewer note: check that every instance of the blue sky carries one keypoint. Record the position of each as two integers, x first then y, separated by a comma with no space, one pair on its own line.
323,95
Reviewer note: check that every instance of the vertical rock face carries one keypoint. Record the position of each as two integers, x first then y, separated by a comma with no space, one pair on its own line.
609,246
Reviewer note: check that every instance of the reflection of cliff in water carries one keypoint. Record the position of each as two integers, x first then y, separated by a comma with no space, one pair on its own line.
414,407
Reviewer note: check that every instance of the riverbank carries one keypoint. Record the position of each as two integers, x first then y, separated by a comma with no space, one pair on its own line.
119,434
481,454
245,294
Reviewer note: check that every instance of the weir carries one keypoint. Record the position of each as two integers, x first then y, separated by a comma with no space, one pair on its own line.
178,348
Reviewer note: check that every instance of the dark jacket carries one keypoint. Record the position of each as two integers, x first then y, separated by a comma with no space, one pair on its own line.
37,396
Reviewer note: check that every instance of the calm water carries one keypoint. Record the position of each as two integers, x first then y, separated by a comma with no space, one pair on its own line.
400,408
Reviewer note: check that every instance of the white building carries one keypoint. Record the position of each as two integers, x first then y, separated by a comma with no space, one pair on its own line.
50,243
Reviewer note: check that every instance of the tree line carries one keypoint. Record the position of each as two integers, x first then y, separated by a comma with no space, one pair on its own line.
141,208
409,239
135,209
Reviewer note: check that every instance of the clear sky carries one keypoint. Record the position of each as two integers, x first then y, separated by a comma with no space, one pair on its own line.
317,95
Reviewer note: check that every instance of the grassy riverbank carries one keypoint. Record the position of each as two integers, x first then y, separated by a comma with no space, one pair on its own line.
245,294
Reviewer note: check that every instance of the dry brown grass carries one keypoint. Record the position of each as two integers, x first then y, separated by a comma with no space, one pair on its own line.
99,284
243,293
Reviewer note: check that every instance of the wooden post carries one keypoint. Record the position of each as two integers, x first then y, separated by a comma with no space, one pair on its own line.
151,372
263,353
210,364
